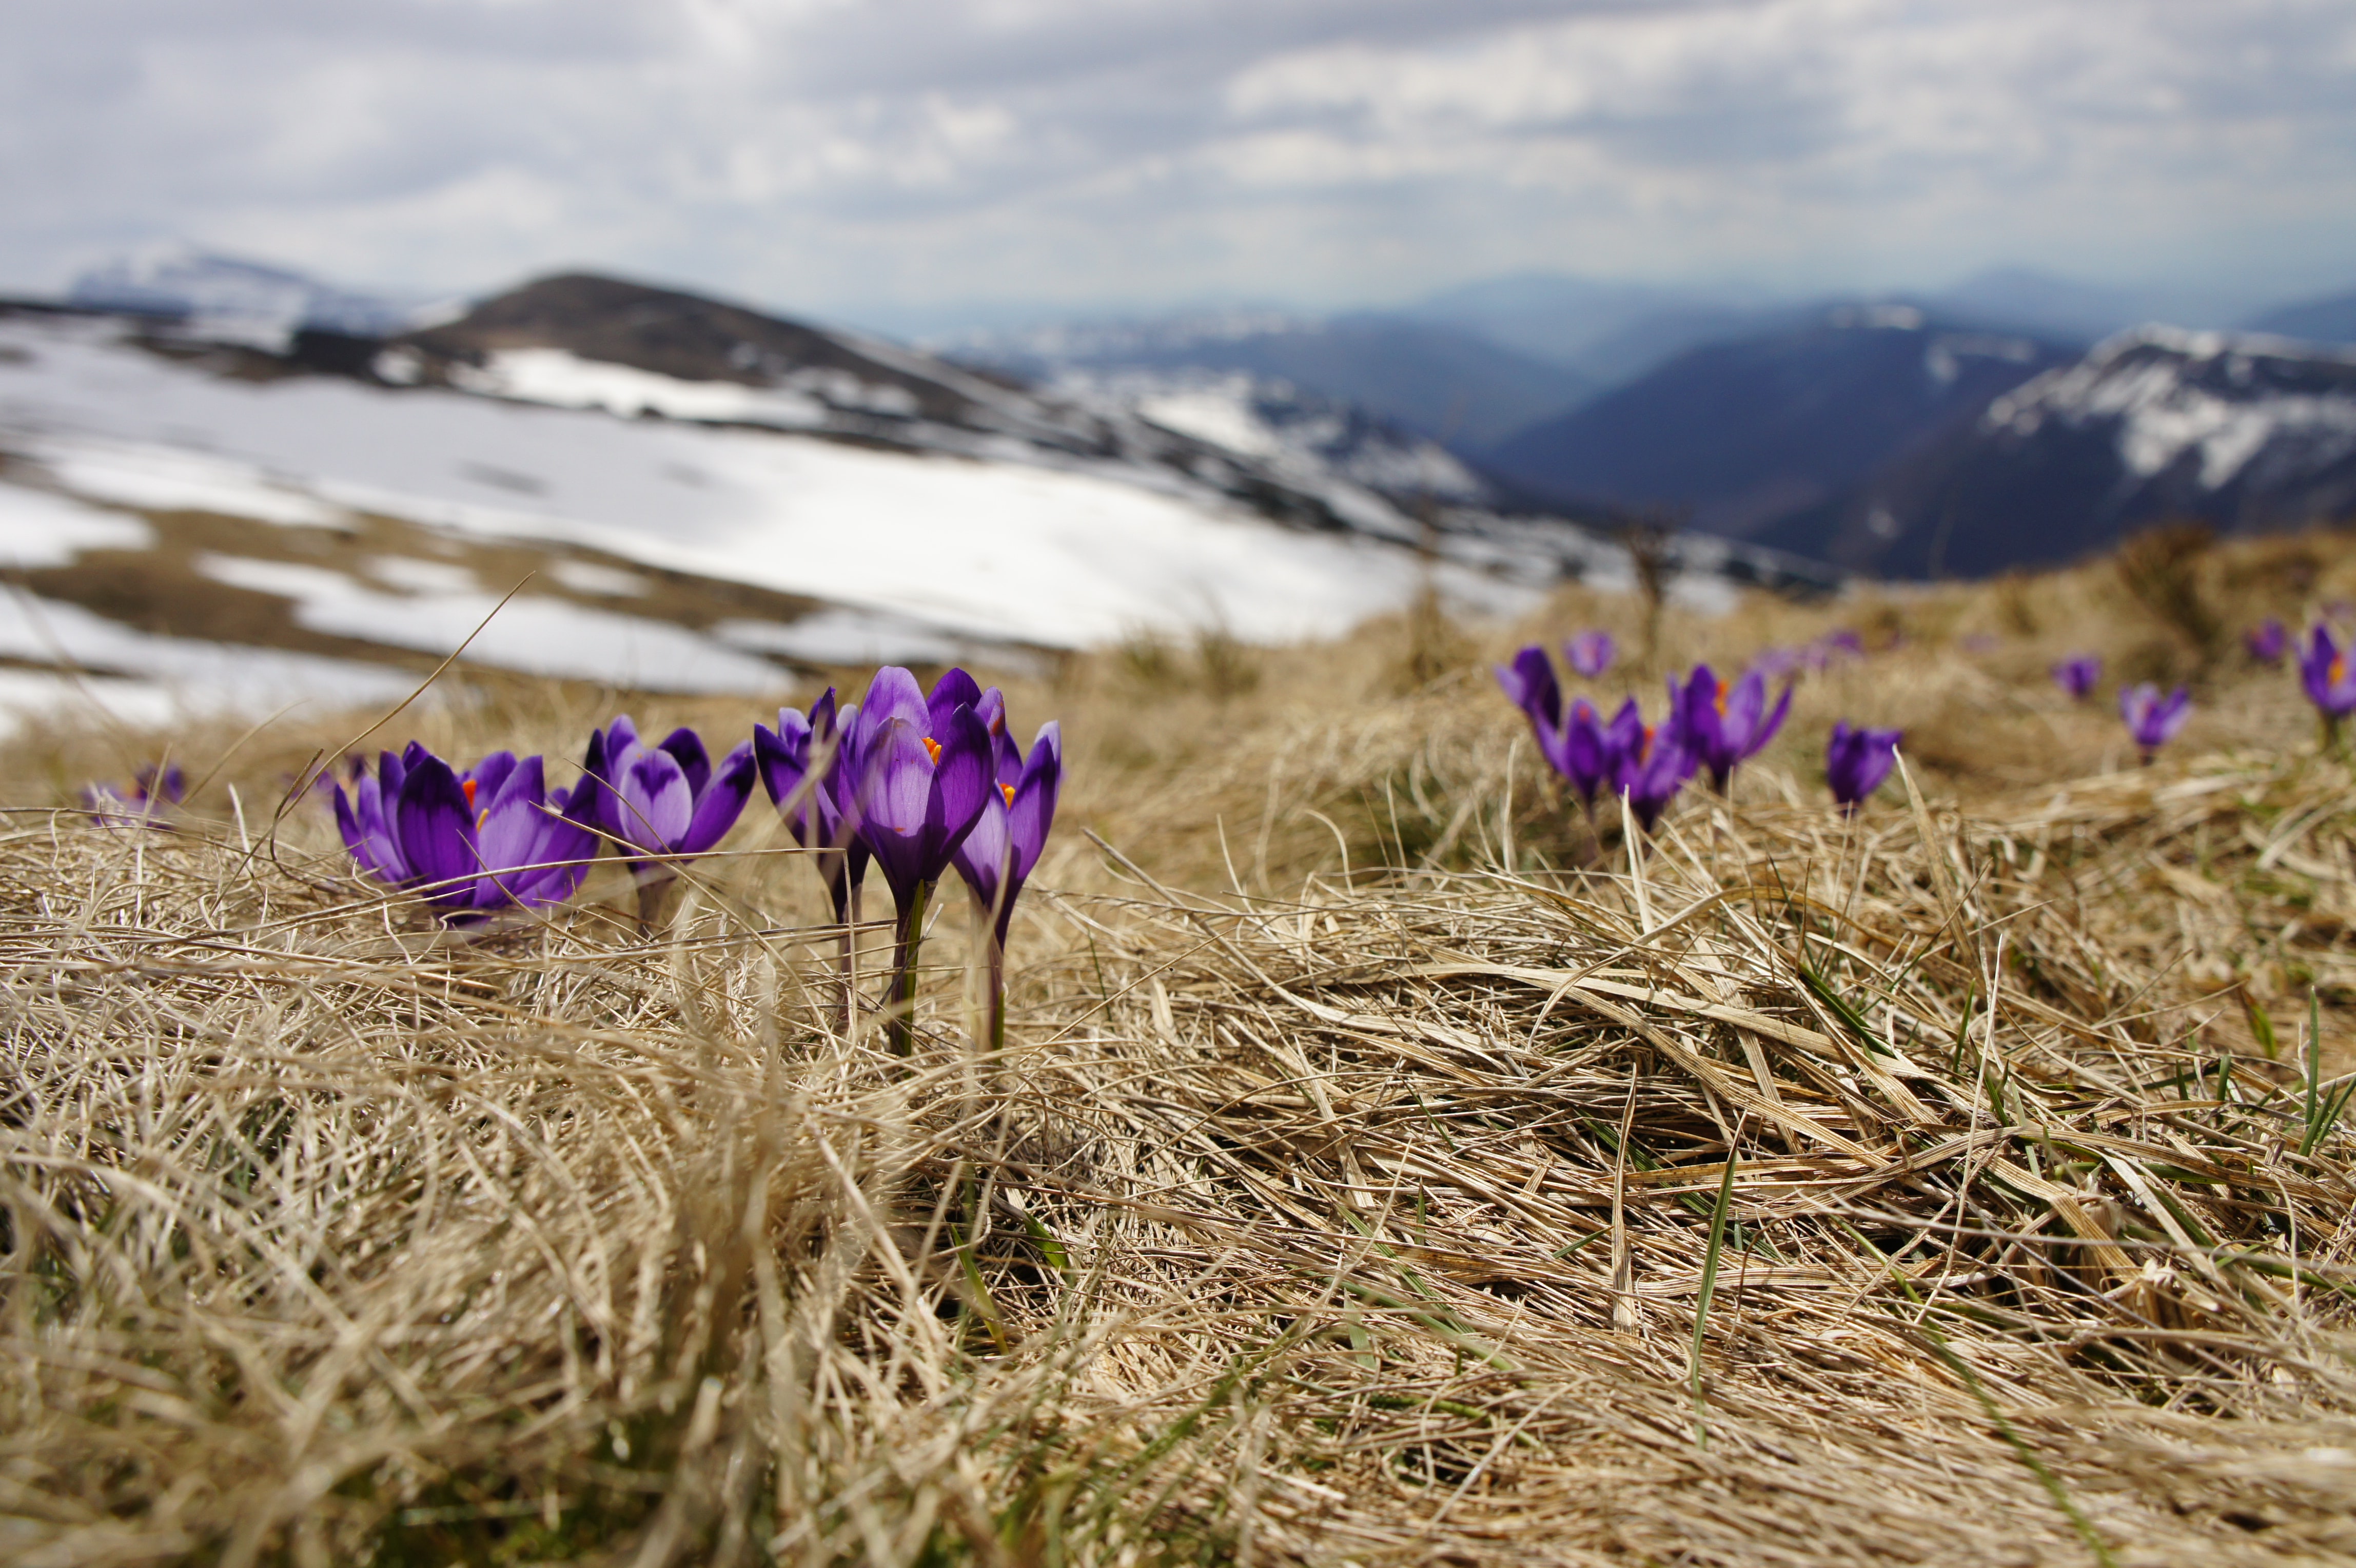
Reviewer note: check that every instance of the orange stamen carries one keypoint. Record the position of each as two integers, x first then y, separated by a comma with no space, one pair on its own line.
2339,668
932,749
469,786
1721,699
1009,789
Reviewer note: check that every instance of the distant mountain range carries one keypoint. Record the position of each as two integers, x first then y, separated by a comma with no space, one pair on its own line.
1440,379
1734,436
2248,433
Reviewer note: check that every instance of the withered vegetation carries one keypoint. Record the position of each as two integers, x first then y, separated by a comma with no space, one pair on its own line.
1383,1168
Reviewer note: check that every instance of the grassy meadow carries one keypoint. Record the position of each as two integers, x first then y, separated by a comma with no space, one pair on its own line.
1381,1167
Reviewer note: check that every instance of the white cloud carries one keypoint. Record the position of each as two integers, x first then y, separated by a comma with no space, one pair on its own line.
827,154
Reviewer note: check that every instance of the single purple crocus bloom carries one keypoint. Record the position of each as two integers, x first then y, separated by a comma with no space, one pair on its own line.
1651,767
997,857
470,842
1530,686
664,801
1590,653
153,792
1857,760
1722,726
816,809
2152,719
920,778
2267,642
2078,674
662,804
2323,670
921,770
1581,751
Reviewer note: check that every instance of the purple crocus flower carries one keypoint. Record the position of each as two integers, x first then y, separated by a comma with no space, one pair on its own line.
816,809
1721,727
2267,642
1857,760
998,856
921,778
1583,752
2151,718
153,792
922,770
664,801
662,804
2077,675
2323,670
1652,766
1529,684
1590,653
470,842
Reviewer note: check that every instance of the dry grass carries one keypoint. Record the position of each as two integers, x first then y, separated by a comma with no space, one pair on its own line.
1376,1173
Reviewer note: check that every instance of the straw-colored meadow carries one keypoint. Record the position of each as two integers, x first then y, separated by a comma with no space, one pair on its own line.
1380,1168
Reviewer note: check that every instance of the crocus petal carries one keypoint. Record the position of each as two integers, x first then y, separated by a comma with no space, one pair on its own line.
954,690
1032,812
962,784
509,832
656,803
435,831
782,761
985,859
719,804
1775,722
892,694
686,748
488,777
1529,683
893,801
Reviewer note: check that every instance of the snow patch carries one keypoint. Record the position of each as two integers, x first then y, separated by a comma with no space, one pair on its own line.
533,635
178,676
40,528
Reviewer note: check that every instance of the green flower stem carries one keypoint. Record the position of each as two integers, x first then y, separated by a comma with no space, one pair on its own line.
900,1004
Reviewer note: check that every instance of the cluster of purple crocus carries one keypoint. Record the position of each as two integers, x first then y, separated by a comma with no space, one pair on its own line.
911,783
1708,723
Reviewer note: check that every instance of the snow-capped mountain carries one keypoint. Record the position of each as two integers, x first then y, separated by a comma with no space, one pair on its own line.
223,299
1741,434
2243,431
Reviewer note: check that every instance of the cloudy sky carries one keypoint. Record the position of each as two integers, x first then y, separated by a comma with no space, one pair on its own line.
904,160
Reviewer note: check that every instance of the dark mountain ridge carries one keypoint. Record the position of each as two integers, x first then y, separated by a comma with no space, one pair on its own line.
2246,433
1736,436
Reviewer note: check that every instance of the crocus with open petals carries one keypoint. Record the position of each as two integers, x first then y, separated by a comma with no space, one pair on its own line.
2077,675
1857,760
665,803
2324,670
2152,719
470,842
1723,725
1590,653
2267,642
